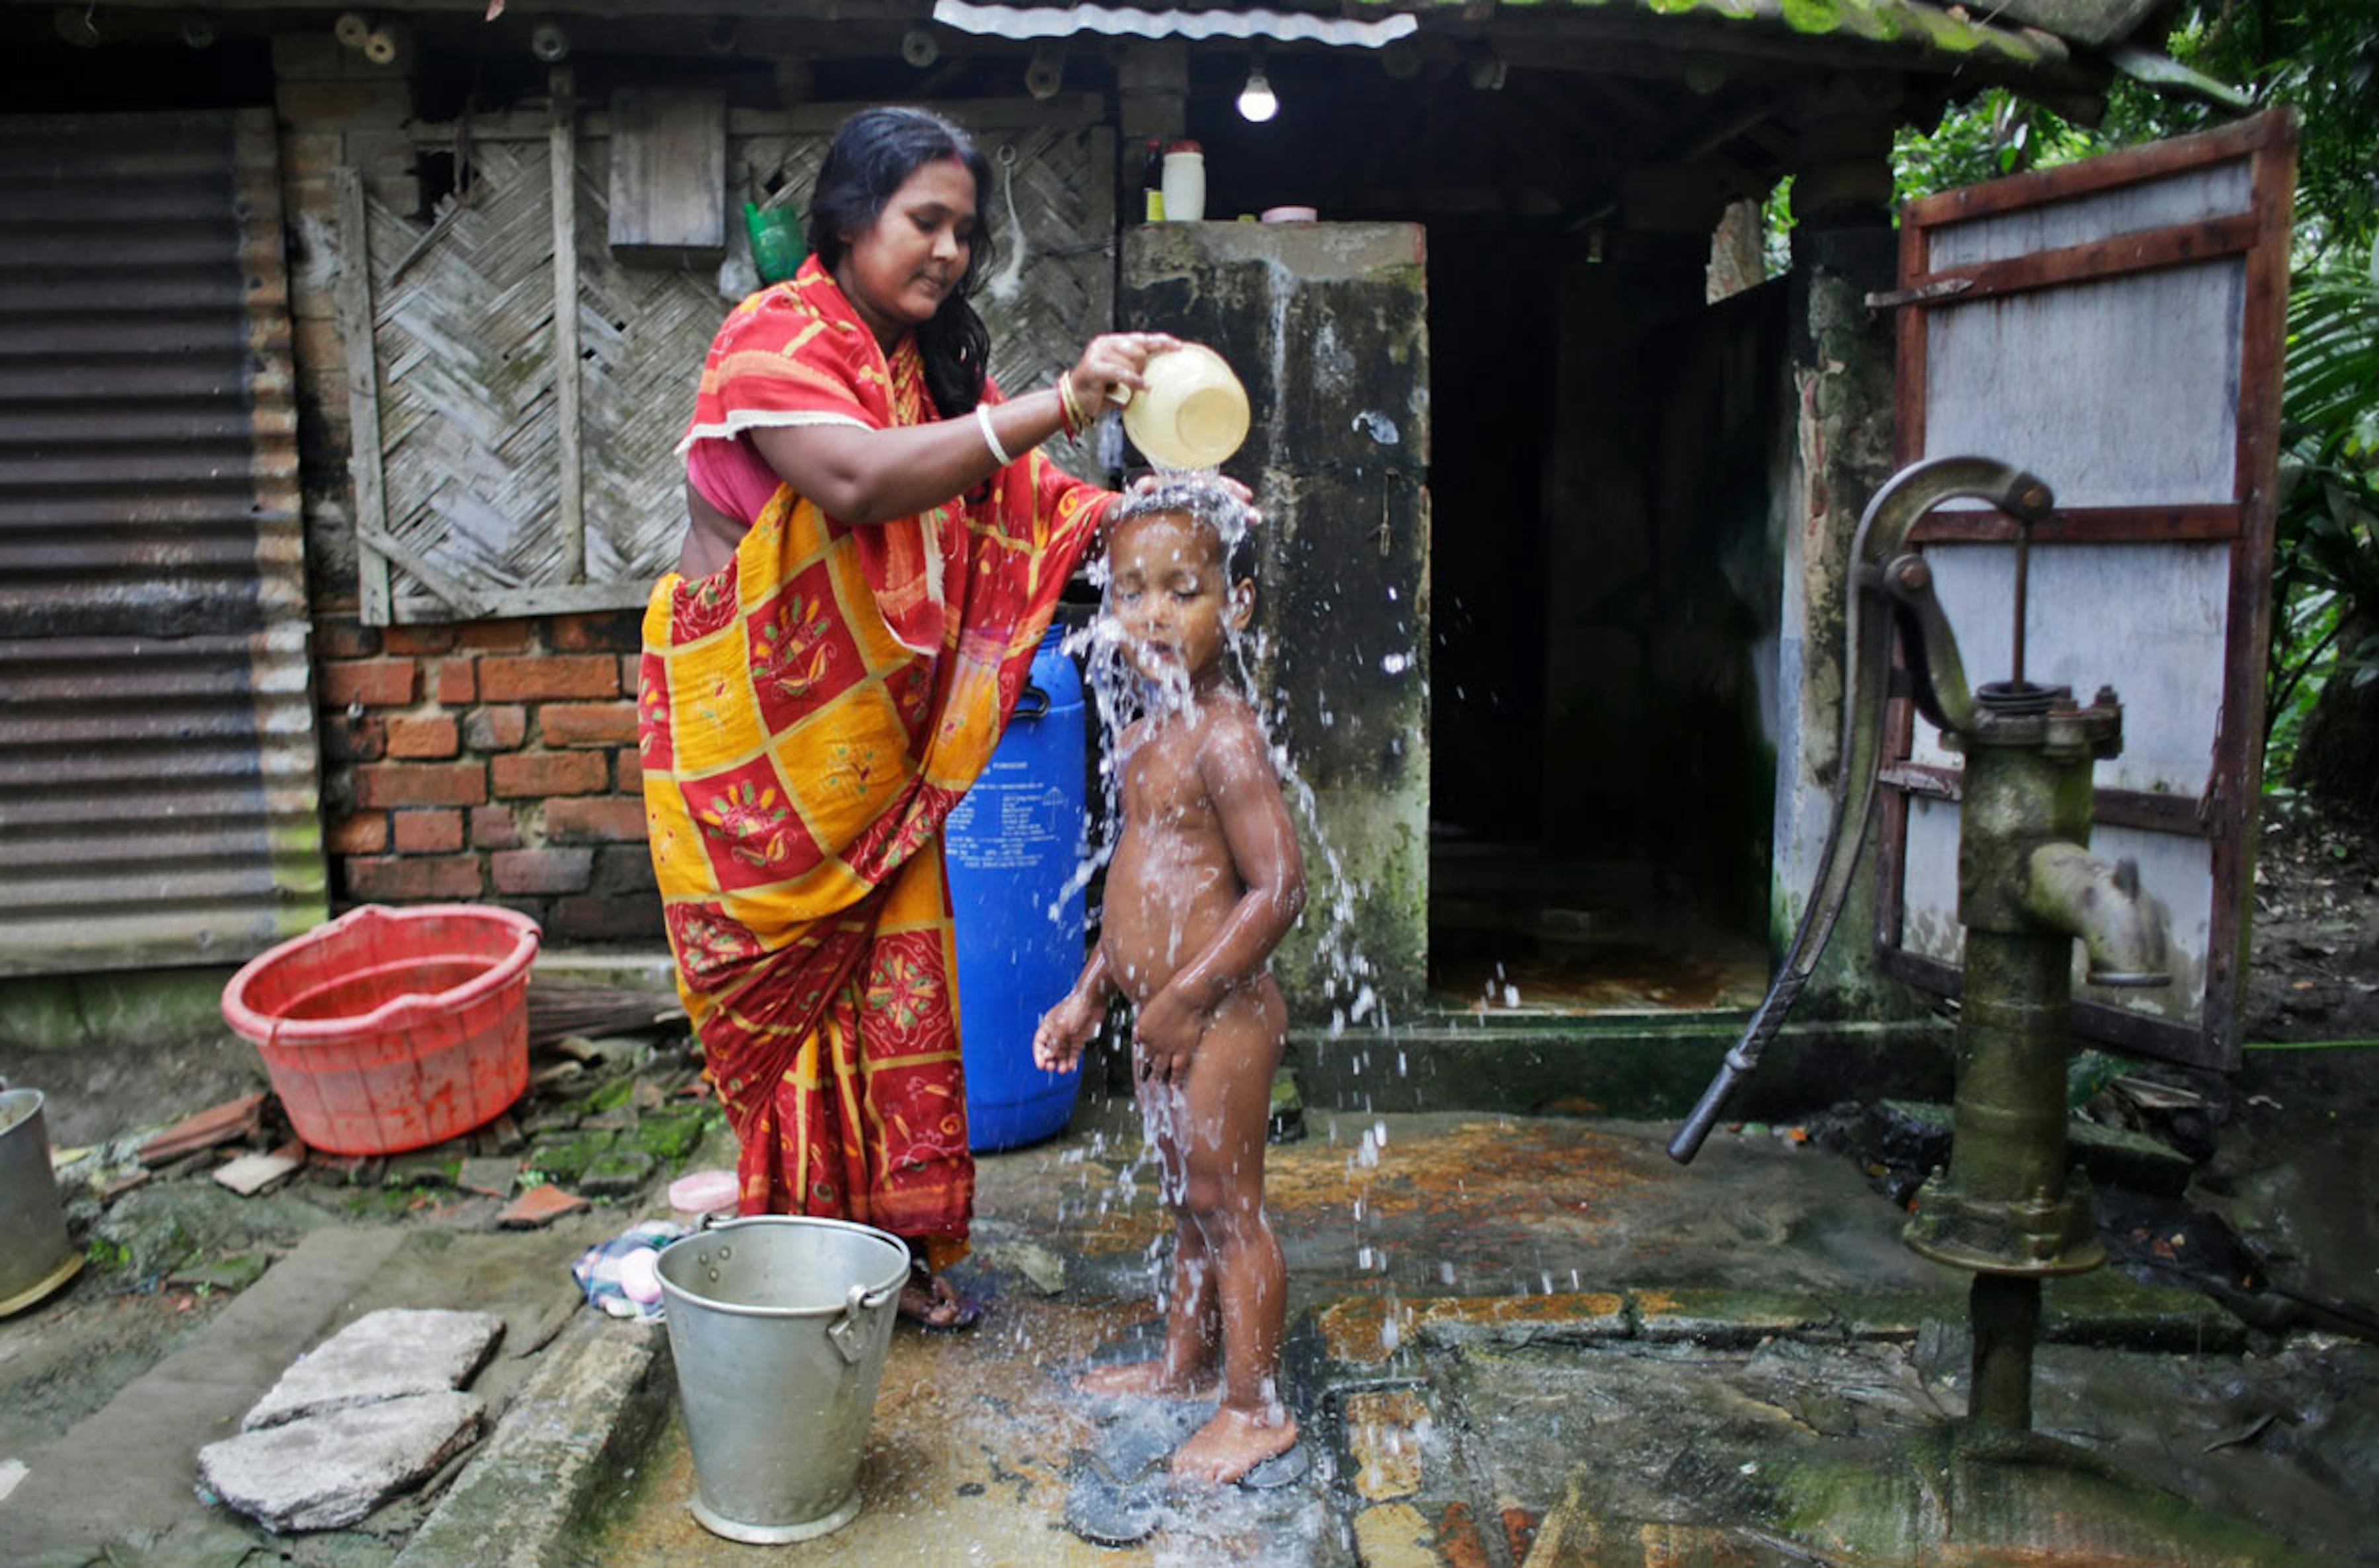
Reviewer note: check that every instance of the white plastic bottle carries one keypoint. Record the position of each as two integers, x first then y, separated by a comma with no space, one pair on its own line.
1185,182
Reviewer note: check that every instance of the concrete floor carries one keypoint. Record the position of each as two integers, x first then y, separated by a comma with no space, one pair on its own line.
1536,1342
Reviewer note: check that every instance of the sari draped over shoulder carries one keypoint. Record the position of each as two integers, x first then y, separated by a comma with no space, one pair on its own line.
808,714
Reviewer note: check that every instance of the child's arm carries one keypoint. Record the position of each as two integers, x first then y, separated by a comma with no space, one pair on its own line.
1236,767
1065,1029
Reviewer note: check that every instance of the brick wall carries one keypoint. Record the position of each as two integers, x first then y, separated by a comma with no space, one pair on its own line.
494,760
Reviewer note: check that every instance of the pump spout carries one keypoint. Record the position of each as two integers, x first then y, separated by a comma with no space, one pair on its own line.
2125,931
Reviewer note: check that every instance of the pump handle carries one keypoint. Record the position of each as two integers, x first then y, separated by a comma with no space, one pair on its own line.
1902,585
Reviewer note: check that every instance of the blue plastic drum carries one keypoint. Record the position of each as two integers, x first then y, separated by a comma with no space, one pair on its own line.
1011,846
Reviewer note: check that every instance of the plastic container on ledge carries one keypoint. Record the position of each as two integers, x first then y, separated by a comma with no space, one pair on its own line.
1185,183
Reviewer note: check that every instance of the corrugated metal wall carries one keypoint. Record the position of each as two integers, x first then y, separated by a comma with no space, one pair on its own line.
158,766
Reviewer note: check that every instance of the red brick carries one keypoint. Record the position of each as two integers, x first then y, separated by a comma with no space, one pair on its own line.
456,682
375,682
365,834
618,631
496,636
354,739
421,784
542,871
422,735
345,639
418,639
549,773
623,868
631,666
606,915
413,877
428,832
493,828
587,724
495,728
548,675
630,771
609,819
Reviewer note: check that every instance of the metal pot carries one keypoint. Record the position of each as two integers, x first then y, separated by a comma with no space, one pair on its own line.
35,1255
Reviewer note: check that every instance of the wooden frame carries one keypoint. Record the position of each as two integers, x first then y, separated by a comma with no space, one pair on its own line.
2223,811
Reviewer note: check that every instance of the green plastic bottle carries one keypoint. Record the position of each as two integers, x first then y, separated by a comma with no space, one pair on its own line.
777,244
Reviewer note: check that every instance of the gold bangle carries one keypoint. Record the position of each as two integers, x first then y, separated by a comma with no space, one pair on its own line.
1070,403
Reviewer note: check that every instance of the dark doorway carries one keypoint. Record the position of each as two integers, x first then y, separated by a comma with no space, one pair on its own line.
1604,583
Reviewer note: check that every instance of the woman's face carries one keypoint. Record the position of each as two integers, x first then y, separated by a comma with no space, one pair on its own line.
897,273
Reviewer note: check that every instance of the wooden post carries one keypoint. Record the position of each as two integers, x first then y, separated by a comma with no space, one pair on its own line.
351,298
563,139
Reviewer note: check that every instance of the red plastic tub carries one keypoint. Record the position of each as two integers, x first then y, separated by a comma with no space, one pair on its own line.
389,1029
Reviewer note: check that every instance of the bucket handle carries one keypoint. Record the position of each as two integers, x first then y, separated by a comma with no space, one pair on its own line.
850,1331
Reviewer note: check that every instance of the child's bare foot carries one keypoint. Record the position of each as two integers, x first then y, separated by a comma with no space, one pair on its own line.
1143,1378
1231,1445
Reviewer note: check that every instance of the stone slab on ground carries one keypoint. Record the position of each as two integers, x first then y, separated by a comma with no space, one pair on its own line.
390,1354
323,1472
126,1471
127,1466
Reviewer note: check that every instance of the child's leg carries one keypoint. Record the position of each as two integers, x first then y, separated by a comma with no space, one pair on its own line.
1229,1105
1192,1325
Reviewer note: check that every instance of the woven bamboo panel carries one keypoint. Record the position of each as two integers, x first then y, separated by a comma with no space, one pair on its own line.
463,345
643,332
462,339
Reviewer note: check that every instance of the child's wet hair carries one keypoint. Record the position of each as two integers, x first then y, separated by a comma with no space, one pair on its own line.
1205,503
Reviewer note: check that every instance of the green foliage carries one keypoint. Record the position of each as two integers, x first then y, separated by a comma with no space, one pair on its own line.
2321,55
2326,555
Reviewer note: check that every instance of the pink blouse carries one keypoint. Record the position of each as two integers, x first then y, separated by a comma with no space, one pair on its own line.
729,472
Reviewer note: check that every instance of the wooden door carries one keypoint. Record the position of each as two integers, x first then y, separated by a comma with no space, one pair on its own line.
2115,327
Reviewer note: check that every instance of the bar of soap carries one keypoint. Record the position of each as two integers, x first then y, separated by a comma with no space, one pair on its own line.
640,1276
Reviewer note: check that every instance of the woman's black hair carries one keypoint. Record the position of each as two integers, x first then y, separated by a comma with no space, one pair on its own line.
873,153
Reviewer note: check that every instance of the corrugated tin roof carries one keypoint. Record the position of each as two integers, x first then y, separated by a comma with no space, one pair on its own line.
1122,22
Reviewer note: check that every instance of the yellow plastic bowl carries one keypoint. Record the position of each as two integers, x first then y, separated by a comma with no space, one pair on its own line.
1194,414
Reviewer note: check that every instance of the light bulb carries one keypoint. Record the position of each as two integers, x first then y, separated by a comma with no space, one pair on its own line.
1256,100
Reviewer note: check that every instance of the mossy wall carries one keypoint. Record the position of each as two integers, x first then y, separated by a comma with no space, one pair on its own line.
1839,366
1327,325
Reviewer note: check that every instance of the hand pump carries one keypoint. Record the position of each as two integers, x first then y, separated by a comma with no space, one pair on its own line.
2007,1209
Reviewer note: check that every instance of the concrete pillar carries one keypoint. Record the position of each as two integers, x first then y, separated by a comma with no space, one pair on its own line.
1841,362
1327,324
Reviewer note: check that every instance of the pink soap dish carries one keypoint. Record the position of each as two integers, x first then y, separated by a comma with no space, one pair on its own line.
700,1193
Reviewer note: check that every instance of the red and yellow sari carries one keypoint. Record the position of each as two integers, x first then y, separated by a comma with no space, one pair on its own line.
808,716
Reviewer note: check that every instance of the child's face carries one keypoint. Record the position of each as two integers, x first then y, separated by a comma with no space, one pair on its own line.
1169,593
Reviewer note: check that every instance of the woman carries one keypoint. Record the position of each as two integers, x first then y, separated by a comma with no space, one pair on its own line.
875,550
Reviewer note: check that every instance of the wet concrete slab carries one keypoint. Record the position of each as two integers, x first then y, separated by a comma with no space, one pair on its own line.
1530,1342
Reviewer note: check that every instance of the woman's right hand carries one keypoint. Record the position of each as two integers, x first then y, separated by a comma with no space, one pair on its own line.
1114,360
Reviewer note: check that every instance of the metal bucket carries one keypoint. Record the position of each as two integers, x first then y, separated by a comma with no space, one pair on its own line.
780,1326
35,1256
